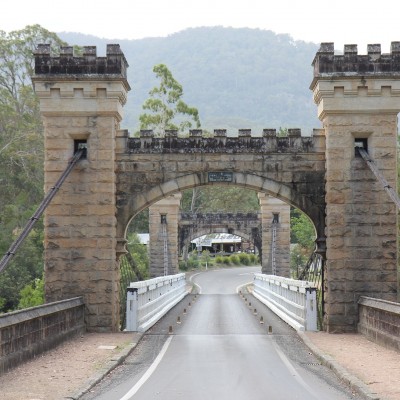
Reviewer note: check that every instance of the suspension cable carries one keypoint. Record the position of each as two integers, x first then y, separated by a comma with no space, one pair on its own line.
372,166
38,213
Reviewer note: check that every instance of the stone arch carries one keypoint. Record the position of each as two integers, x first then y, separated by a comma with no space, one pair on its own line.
252,181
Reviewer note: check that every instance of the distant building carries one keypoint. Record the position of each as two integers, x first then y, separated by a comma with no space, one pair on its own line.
222,243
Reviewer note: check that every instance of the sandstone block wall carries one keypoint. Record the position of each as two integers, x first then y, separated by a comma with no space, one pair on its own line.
80,223
27,333
358,99
379,321
274,208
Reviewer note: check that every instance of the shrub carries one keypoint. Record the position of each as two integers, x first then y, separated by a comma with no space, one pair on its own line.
234,259
219,260
253,259
244,259
183,266
226,260
193,262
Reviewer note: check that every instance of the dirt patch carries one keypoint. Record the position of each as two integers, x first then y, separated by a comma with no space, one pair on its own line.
64,370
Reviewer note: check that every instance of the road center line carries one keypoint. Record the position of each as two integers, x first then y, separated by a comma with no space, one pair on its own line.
149,372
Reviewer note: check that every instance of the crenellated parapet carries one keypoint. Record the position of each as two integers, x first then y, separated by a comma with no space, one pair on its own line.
218,217
67,63
220,142
350,63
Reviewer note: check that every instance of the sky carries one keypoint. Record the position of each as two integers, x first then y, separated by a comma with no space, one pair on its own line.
339,21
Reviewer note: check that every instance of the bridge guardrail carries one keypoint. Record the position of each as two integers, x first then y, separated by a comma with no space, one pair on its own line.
292,300
147,301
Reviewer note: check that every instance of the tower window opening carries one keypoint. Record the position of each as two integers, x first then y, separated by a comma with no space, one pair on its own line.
275,219
81,144
360,143
163,218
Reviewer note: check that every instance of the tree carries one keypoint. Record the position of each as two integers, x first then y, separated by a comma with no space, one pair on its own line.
302,235
166,109
21,158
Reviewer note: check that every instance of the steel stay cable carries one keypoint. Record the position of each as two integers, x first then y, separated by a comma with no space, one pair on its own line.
371,164
45,202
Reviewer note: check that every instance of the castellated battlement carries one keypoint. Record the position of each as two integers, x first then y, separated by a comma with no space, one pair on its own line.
350,63
218,142
67,63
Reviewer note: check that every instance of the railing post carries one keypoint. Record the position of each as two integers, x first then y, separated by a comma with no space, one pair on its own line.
132,309
311,309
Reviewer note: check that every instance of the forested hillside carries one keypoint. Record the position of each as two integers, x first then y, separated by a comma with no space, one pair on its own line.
237,78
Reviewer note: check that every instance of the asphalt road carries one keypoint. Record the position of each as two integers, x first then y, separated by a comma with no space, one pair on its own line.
220,350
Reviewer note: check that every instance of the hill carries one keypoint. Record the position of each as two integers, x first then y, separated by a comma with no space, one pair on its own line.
236,77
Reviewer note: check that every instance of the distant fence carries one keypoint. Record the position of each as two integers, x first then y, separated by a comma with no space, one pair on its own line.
27,333
292,300
379,321
147,301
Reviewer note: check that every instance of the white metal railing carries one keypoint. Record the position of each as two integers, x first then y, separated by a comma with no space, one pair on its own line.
147,301
292,300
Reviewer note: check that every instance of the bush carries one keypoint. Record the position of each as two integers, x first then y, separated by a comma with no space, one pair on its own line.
193,262
253,259
219,260
234,259
226,260
244,259
183,266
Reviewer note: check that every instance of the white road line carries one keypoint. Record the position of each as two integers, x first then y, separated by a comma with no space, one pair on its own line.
194,282
242,285
292,369
149,372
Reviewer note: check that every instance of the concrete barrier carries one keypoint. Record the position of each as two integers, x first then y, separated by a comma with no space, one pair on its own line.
148,301
379,321
292,300
26,333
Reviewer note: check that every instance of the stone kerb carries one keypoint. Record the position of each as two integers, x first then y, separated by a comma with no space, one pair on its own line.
358,101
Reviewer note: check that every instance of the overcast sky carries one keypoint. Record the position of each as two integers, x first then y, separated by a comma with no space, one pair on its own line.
339,21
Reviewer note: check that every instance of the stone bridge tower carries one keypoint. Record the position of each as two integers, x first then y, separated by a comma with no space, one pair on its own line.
275,216
358,98
163,227
81,101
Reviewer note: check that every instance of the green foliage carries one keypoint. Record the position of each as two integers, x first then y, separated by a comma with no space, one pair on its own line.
302,234
253,259
193,260
301,230
183,266
298,259
21,161
205,257
219,259
140,223
166,109
220,198
234,259
32,294
244,259
226,260
139,253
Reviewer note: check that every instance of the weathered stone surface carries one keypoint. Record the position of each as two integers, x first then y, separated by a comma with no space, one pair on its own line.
353,103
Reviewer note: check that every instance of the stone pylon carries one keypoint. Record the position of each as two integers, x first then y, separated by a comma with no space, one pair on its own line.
358,104
163,228
81,100
275,216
